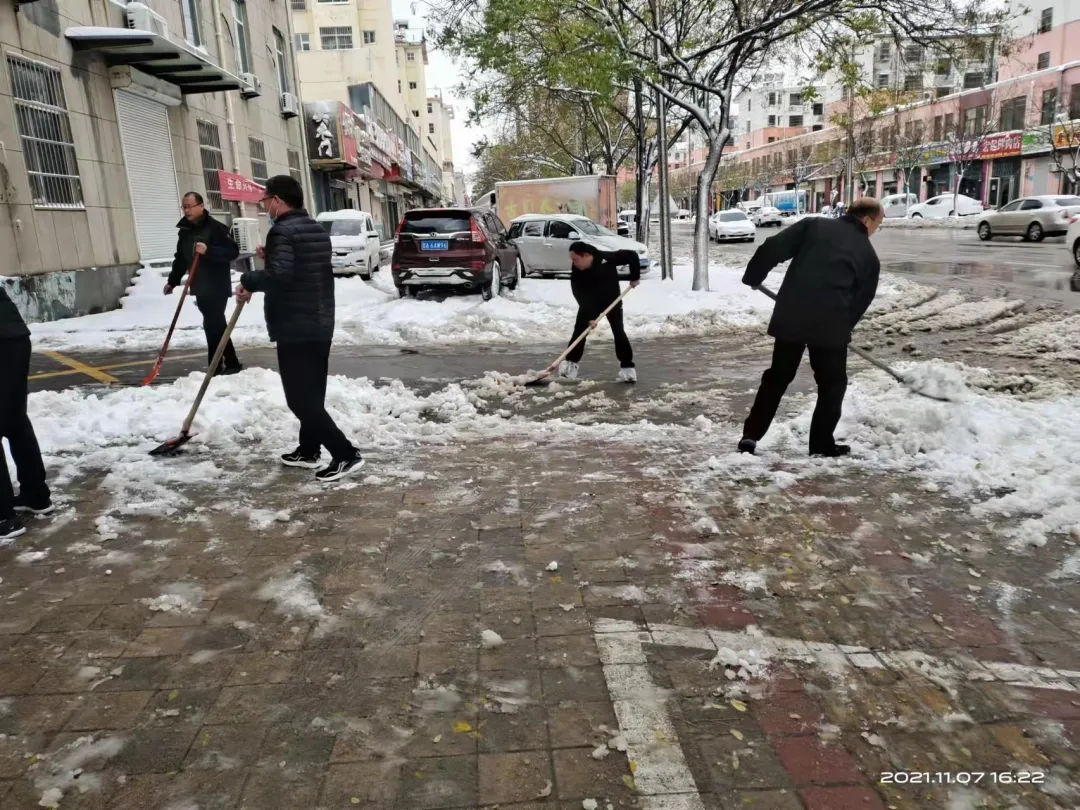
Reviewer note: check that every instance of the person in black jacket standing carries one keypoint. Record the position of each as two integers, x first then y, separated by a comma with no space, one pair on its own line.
202,235
298,280
830,283
34,496
594,281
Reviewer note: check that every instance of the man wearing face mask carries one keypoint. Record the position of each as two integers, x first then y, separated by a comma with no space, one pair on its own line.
298,281
830,283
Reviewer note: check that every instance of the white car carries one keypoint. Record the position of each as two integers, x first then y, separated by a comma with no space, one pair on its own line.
355,241
543,242
731,226
766,215
897,205
1072,239
946,205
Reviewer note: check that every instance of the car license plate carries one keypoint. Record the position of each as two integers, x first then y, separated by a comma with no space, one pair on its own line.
434,244
339,262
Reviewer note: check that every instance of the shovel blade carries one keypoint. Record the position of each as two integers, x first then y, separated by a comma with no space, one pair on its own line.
172,446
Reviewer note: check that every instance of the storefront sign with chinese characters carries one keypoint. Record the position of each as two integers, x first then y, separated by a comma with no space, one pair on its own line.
237,188
1006,144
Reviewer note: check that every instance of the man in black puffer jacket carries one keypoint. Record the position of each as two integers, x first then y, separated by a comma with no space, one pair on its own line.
594,281
203,235
830,283
298,280
34,496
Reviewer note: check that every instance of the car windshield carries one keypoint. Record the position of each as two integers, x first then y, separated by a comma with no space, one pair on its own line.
343,227
733,216
1067,201
425,222
591,228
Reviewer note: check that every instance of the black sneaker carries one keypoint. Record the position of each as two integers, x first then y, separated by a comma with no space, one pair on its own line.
10,528
44,507
225,371
339,469
299,459
748,446
836,451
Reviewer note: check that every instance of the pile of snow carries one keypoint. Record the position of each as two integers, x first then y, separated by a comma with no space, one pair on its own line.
371,313
953,223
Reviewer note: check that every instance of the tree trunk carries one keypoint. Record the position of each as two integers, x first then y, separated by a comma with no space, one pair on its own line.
701,227
641,226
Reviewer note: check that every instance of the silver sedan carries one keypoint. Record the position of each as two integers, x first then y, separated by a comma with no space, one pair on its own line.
1033,218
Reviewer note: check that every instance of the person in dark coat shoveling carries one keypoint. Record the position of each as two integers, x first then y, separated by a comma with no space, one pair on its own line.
830,283
202,235
594,281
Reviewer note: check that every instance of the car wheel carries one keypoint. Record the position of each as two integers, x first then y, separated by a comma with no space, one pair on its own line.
519,271
1034,232
916,215
984,231
493,288
1076,252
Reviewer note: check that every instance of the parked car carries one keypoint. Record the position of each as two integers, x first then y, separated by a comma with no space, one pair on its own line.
544,240
454,247
1033,218
355,241
897,205
945,205
1072,239
767,215
731,226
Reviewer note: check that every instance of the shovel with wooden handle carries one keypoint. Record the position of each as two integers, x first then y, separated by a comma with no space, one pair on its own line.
172,446
168,335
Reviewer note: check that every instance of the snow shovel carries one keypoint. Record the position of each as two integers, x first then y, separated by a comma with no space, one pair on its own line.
546,373
869,358
172,446
168,335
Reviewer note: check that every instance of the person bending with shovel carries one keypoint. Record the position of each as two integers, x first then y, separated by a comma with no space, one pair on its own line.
594,281
830,283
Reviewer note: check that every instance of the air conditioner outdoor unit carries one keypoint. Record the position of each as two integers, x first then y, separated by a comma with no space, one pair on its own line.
252,86
245,232
290,105
141,17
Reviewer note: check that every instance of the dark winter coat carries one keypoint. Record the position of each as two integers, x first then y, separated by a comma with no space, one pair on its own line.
598,286
12,324
830,283
213,278
298,280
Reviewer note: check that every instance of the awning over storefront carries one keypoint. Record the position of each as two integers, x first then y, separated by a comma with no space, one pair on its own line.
191,71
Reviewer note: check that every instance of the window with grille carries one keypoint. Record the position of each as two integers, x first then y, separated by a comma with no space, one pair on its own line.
303,42
972,80
772,120
883,80
412,85
941,92
1049,107
1046,20
431,129
886,51
913,53
243,45
299,5
369,37
913,81
819,109
212,163
1043,61
429,108
336,38
294,166
45,131
795,121
258,161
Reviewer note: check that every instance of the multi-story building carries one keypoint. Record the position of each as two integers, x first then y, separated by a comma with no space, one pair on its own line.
440,116
362,79
776,107
109,112
1045,34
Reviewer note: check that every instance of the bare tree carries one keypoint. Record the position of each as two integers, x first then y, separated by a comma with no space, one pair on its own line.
974,119
799,166
1059,130
909,147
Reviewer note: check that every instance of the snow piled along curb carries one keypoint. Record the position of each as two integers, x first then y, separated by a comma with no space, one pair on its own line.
539,311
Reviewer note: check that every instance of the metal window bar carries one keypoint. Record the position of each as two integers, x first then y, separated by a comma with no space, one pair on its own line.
294,166
336,38
258,161
299,5
45,131
212,162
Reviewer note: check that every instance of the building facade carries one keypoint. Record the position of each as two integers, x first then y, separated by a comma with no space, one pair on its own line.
110,112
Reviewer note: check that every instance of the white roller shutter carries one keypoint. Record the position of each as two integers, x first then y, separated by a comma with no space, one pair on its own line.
144,132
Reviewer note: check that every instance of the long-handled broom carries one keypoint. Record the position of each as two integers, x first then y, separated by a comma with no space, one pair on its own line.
168,335
172,446
869,358
546,373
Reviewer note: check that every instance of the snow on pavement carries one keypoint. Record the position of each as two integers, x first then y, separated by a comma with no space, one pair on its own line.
539,311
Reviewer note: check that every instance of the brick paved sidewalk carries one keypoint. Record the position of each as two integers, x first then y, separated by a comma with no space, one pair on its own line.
331,655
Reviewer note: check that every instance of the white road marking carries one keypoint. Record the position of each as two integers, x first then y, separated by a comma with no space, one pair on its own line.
661,774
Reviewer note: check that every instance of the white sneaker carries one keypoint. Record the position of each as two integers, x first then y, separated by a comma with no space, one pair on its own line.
627,375
568,370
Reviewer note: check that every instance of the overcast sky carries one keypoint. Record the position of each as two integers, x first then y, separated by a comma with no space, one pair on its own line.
443,74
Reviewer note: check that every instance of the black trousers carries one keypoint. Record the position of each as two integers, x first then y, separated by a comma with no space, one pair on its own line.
214,324
830,372
16,428
303,368
623,351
